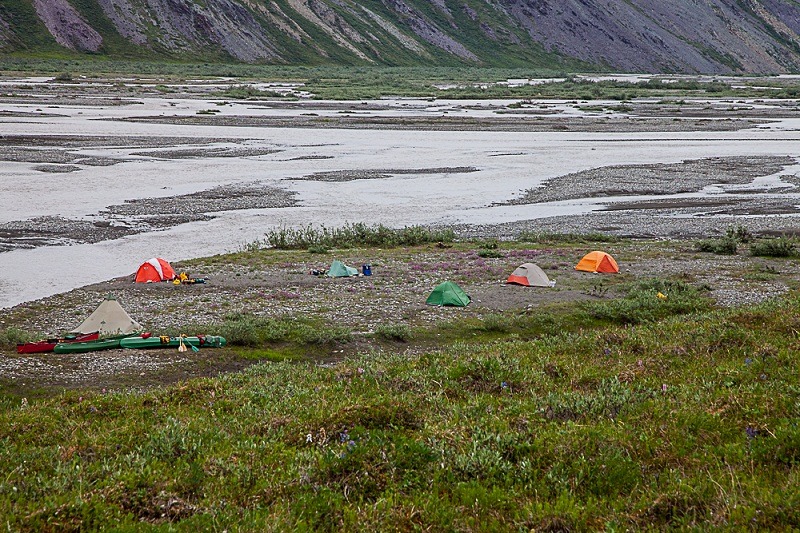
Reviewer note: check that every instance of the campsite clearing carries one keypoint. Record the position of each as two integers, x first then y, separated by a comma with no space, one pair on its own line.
323,319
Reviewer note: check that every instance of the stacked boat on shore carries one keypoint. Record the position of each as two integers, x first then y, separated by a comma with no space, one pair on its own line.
140,342
110,326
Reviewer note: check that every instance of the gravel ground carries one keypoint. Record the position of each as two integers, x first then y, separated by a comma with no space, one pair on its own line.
631,180
394,294
138,216
501,122
351,175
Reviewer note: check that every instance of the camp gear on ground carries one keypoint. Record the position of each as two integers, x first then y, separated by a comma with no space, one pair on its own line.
155,270
448,293
598,261
165,341
366,270
109,319
530,275
48,345
340,270
89,346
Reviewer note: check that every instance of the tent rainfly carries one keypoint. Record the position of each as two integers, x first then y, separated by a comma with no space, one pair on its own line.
448,293
155,270
109,319
340,270
530,275
598,262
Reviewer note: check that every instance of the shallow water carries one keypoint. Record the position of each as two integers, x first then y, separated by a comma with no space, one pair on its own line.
508,163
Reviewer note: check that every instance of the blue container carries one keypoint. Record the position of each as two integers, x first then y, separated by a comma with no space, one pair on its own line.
366,270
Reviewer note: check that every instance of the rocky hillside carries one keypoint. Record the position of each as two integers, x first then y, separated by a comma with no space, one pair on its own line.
708,36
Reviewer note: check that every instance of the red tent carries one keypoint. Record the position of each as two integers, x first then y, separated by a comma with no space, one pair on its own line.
155,269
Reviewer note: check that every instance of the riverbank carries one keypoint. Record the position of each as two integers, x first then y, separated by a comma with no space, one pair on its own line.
269,284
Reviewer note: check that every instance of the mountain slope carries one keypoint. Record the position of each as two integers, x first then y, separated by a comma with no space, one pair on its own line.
709,36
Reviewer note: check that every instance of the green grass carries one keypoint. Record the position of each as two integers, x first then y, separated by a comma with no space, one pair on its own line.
248,330
685,422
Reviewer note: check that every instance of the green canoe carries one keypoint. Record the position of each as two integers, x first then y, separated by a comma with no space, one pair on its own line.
88,346
206,341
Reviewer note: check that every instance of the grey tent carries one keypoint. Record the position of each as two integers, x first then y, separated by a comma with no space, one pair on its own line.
109,319
530,275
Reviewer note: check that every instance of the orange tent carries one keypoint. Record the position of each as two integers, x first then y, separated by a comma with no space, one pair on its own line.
155,269
598,262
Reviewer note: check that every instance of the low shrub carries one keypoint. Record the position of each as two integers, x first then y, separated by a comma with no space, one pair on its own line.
393,332
249,330
546,237
356,234
651,300
10,337
490,253
739,233
781,247
318,249
723,246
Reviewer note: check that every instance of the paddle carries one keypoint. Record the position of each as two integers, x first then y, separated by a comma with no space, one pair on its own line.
182,347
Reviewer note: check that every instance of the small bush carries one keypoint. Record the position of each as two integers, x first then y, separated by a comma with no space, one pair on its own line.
723,246
642,303
739,233
393,332
10,337
490,253
781,247
63,76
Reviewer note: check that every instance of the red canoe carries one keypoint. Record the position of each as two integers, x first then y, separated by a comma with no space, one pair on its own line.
49,344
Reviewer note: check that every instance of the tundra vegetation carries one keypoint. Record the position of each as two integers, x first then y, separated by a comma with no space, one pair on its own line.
358,83
642,406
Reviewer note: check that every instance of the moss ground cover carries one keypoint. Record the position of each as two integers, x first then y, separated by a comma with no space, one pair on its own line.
687,421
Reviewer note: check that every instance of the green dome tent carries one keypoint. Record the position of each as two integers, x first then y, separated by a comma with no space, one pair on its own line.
340,270
448,293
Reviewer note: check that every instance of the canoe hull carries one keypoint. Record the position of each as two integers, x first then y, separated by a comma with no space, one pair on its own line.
49,345
83,347
206,341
